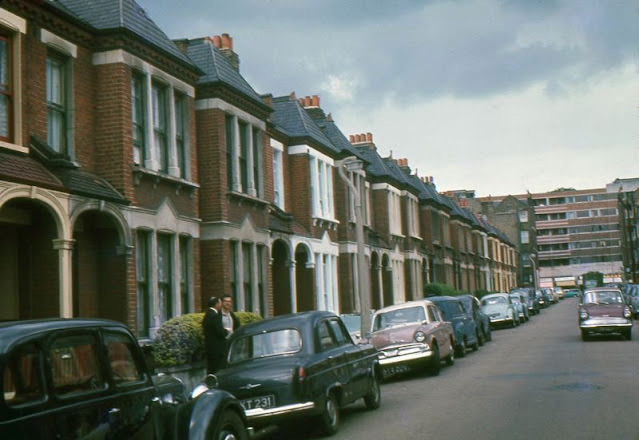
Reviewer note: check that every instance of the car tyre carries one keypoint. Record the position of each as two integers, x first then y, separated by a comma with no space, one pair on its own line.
489,334
435,362
373,399
480,338
329,419
230,427
461,349
450,360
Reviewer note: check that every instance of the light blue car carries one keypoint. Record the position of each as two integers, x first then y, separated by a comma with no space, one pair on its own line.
500,310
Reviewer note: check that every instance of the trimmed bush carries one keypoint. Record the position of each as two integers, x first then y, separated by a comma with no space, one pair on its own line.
439,289
180,340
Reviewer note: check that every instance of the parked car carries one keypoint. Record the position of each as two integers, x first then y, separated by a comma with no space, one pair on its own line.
499,309
87,378
466,331
549,292
571,293
603,311
482,321
529,299
631,295
302,364
410,336
559,292
544,299
518,300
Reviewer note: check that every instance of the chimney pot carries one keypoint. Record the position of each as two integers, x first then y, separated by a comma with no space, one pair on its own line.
358,138
315,101
329,117
351,138
369,137
217,41
308,101
292,96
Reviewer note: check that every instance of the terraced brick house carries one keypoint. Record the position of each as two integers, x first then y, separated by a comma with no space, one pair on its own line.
99,210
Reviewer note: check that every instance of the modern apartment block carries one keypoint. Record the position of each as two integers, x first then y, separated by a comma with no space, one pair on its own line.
577,231
140,176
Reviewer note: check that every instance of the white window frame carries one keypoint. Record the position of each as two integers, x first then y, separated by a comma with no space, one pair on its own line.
278,174
15,27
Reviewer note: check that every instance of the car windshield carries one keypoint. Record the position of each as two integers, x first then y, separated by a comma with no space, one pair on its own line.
353,323
515,299
397,317
273,343
603,297
467,303
449,309
493,300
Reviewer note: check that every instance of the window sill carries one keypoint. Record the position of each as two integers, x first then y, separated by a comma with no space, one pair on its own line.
328,223
246,198
181,185
14,147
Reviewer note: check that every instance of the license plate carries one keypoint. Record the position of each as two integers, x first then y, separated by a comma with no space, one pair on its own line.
395,369
259,402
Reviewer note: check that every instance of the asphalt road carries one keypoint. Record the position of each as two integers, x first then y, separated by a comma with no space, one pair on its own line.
538,381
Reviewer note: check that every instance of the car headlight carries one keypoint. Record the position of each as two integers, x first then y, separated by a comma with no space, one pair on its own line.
627,313
420,336
583,314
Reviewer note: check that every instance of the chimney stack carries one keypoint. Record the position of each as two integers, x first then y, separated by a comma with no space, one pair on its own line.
225,44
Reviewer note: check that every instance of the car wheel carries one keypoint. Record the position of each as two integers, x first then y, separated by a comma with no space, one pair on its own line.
329,420
489,334
435,362
450,360
475,346
481,338
230,427
461,349
373,399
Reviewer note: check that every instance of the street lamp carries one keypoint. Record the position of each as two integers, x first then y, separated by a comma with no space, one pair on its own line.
532,260
353,164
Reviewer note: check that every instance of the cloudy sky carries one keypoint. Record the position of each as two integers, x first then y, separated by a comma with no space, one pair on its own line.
502,97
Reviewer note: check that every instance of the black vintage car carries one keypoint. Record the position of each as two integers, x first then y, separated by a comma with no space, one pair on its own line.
482,321
464,327
295,365
87,379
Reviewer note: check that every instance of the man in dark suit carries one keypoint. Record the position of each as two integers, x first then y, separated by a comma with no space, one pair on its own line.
214,335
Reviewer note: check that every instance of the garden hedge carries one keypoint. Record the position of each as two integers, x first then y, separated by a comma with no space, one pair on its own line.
180,340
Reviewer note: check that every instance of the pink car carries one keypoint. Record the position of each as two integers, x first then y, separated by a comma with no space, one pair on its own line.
410,336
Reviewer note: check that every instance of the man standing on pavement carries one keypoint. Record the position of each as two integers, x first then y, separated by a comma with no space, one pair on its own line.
214,335
229,320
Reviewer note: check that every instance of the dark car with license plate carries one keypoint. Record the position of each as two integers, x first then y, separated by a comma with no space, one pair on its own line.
602,310
87,379
299,365
482,321
464,327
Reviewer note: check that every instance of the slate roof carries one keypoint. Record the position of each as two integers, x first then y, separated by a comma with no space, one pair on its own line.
21,168
291,118
217,68
105,15
332,132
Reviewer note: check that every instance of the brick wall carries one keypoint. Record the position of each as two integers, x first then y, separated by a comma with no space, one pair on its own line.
212,164
299,190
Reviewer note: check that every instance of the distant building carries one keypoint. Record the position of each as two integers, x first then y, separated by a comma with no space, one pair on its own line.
578,231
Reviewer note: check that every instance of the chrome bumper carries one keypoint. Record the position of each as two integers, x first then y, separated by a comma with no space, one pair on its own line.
258,413
605,322
401,354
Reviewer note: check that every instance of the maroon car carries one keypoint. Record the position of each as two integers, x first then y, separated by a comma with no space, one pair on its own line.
412,335
603,311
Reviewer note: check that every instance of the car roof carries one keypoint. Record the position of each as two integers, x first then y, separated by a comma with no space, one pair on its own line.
602,289
418,302
442,298
494,294
12,331
285,321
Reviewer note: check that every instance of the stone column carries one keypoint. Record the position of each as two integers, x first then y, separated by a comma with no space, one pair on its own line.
65,252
